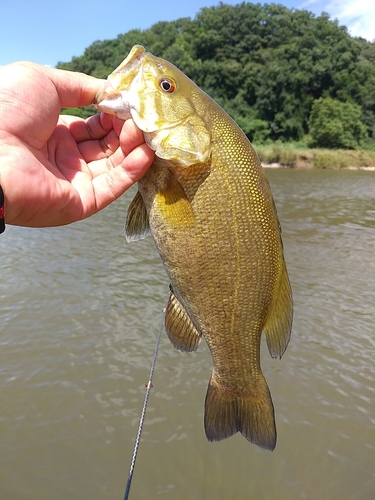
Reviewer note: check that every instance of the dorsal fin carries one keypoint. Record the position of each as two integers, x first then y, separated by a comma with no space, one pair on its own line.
279,321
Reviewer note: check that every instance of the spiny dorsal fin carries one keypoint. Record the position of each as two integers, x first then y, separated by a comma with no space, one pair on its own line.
136,224
279,321
179,327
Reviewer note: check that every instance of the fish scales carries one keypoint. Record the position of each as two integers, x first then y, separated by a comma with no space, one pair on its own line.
210,211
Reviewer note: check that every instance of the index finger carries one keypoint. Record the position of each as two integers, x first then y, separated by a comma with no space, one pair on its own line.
93,128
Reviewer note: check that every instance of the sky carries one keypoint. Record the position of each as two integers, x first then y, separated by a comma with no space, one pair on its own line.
48,32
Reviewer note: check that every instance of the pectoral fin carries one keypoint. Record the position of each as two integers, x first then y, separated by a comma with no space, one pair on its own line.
179,327
136,224
172,205
279,321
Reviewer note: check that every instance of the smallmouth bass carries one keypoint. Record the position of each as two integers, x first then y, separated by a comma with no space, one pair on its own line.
208,205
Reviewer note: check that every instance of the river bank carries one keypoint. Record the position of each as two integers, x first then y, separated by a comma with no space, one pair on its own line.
286,156
280,165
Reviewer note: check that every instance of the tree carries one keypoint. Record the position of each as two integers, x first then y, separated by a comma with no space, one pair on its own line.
336,124
264,63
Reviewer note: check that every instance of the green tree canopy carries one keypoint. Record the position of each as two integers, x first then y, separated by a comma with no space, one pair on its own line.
265,64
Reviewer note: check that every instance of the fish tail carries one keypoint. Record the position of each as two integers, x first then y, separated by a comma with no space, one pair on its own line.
250,412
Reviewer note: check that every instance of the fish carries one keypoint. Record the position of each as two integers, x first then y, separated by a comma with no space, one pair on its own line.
208,205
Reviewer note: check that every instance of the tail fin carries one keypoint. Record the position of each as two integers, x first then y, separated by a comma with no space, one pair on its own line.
252,414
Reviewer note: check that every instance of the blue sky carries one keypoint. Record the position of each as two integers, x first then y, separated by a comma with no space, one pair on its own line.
47,32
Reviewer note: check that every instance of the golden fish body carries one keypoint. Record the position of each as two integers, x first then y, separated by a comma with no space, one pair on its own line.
210,210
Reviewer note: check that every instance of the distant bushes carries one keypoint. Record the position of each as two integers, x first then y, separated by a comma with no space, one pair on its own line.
84,112
334,124
289,156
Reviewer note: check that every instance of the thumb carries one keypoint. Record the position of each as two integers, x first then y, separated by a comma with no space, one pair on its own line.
74,89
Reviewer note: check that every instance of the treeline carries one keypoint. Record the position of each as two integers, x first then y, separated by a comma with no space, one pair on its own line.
282,74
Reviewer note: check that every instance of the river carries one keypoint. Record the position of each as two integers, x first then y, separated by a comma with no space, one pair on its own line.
80,312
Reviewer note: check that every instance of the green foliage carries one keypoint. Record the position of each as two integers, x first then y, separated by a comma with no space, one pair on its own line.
265,64
336,124
83,112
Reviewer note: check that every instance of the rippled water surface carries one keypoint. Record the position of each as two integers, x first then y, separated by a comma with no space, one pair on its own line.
80,310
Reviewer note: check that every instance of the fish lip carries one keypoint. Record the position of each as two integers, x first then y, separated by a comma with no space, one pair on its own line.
107,91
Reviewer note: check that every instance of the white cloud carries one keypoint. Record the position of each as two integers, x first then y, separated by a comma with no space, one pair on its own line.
357,15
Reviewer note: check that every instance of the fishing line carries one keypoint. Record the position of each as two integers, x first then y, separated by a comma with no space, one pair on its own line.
143,412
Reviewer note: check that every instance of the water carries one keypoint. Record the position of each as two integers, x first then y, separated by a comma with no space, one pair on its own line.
80,312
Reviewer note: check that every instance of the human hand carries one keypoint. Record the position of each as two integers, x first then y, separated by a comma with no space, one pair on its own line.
54,169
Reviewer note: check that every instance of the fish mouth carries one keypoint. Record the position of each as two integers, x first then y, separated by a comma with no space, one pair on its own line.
109,100
118,81
107,91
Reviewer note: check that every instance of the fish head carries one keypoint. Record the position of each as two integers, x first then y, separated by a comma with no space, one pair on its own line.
164,104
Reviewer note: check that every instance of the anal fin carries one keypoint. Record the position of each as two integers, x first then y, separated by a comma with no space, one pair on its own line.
179,327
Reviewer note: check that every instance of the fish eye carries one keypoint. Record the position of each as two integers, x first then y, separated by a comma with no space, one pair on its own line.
168,85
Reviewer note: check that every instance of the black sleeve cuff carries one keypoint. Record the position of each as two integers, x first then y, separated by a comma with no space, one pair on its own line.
2,220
